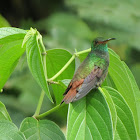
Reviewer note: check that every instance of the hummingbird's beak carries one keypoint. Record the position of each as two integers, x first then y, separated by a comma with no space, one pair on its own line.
105,41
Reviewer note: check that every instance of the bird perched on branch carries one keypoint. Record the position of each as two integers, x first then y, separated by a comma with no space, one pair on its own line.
91,73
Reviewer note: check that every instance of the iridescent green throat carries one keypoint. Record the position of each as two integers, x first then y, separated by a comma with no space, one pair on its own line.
100,47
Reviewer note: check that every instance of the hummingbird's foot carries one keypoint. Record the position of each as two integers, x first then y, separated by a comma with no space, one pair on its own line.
96,87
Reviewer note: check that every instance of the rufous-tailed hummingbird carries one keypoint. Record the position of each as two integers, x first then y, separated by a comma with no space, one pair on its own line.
91,73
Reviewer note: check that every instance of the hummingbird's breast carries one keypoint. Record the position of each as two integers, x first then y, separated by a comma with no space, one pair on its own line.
94,59
103,56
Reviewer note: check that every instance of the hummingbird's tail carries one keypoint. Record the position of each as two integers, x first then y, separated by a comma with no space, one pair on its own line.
71,91
69,96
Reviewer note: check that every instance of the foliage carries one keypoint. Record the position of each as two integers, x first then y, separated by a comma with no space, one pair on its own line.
111,18
111,112
43,129
3,113
30,129
9,131
79,31
10,43
35,59
90,117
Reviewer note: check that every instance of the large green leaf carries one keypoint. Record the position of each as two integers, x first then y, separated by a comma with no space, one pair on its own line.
3,113
125,127
109,82
10,51
112,108
135,68
126,85
41,130
9,32
8,131
98,117
89,118
55,61
34,51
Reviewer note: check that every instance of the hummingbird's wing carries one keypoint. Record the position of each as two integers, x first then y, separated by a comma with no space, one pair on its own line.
79,89
90,82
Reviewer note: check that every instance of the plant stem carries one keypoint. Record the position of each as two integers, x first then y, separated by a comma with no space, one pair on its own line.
81,52
45,73
68,63
49,112
39,103
43,55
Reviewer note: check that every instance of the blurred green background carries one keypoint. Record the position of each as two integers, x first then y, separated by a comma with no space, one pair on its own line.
71,25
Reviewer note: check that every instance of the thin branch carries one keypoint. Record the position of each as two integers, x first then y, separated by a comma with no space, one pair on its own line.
49,111
53,82
81,52
39,39
66,65
39,103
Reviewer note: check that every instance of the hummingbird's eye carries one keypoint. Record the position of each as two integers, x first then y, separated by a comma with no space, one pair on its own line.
96,42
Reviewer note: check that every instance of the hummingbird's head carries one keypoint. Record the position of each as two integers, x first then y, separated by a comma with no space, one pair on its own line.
100,43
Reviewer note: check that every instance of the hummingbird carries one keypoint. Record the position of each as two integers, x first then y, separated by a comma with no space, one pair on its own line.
91,73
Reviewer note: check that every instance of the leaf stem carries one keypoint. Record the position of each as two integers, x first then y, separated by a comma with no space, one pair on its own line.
39,39
81,52
49,112
43,54
39,103
67,64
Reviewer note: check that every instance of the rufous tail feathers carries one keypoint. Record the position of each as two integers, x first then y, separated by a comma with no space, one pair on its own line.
71,91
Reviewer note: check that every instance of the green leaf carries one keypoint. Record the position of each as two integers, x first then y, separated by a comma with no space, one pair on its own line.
135,68
3,22
111,52
8,131
9,32
35,59
10,51
89,118
64,83
112,107
125,127
55,61
3,113
109,82
126,86
43,130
